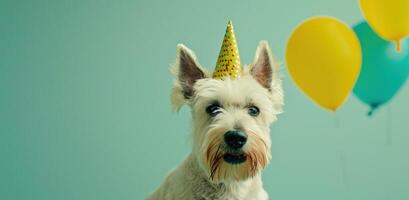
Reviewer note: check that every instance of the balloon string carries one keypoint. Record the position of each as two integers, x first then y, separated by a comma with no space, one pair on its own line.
342,153
389,126
344,168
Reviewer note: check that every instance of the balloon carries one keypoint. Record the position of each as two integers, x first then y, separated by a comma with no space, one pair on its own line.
384,70
324,59
389,18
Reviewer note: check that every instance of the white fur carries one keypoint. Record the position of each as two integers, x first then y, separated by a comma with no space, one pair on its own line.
198,177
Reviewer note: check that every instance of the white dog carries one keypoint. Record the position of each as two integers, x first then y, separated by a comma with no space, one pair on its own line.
231,129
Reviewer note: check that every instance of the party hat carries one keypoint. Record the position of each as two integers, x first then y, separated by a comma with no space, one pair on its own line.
228,62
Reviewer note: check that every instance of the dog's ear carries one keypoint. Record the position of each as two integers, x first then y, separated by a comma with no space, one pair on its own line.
264,69
186,71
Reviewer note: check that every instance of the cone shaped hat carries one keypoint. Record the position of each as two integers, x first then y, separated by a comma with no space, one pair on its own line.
228,62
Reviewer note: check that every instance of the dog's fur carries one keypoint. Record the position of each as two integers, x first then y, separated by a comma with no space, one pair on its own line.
204,174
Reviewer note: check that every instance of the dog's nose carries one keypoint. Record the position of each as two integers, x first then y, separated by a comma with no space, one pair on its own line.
235,139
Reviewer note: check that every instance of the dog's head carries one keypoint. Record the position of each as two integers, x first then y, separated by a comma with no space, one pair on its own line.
231,117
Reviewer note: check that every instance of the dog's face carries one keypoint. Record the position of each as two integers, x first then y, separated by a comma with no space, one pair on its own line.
231,137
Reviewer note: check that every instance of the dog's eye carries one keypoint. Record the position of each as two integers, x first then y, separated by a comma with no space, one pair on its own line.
213,109
253,111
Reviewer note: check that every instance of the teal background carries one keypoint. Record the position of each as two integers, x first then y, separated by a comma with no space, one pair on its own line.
85,110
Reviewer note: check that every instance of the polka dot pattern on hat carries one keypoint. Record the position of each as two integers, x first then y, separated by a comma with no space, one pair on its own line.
228,62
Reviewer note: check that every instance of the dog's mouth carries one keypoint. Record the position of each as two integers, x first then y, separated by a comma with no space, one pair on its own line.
234,158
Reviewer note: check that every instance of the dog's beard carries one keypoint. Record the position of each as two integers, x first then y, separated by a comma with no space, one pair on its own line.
256,155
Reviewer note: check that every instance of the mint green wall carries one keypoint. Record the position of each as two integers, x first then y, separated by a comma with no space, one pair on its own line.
85,112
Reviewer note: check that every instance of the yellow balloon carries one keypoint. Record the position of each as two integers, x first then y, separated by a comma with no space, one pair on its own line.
389,18
323,57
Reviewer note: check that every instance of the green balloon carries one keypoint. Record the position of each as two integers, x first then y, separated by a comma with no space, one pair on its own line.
384,69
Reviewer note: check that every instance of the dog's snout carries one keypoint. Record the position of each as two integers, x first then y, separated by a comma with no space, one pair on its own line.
235,139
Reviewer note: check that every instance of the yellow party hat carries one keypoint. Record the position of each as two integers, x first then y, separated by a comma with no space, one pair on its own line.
228,62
